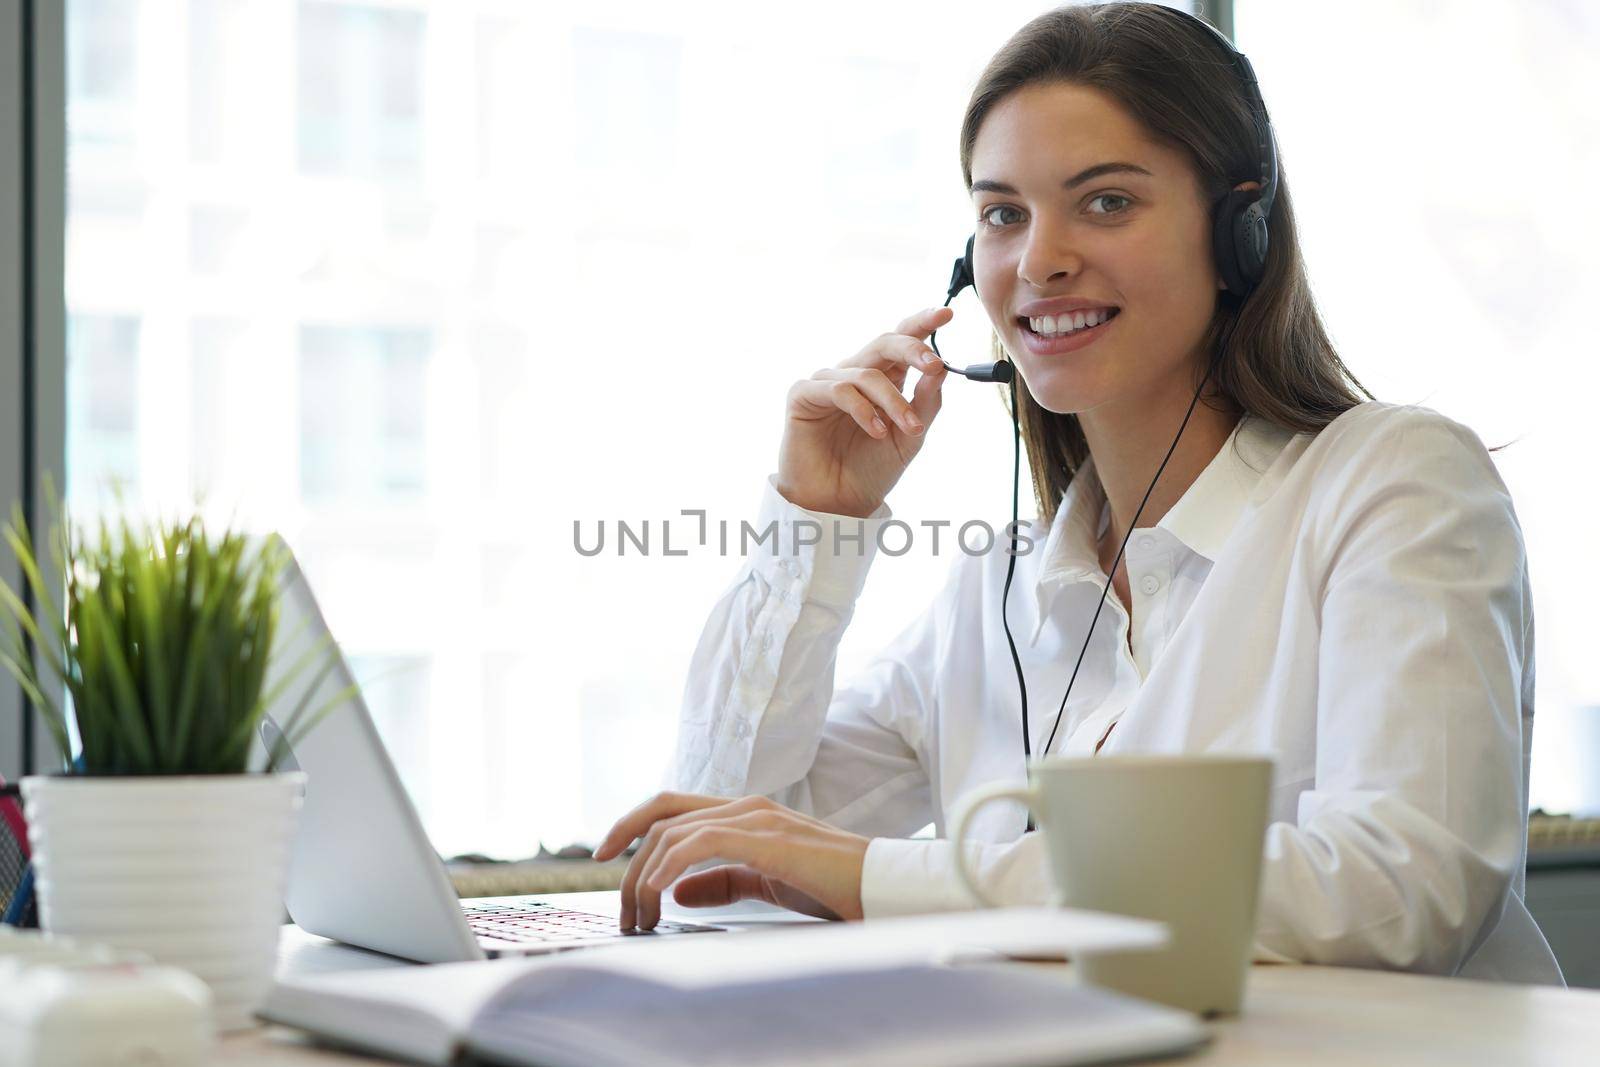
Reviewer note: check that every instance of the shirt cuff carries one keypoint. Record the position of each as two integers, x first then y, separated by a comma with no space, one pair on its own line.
907,876
828,554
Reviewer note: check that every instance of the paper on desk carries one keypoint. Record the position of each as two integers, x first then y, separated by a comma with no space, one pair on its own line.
696,960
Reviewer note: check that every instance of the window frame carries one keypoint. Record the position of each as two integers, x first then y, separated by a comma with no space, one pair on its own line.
32,307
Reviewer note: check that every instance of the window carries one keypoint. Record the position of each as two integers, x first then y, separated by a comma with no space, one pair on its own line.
422,283
873,157
102,76
102,398
217,349
419,284
360,90
215,239
362,414
627,96
396,690
1448,264
220,104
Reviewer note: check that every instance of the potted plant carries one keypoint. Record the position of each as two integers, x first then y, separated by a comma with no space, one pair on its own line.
160,835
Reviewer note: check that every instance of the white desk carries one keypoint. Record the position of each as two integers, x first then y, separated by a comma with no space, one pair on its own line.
1305,1016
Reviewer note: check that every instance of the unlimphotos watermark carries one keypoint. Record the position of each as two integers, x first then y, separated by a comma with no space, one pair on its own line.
892,537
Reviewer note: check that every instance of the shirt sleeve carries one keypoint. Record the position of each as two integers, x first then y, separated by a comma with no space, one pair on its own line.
760,714
909,877
1403,853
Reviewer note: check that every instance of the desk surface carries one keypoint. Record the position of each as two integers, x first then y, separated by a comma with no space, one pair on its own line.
1307,1016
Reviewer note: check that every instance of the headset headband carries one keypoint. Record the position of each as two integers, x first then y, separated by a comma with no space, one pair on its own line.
1266,143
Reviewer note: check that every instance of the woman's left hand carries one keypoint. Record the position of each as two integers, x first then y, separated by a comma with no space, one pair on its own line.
777,855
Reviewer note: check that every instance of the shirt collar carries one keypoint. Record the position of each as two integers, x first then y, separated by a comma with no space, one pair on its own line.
1208,511
1201,520
1069,554
1069,548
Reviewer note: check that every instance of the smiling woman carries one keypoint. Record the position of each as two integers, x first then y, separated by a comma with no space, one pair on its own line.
1176,138
1340,585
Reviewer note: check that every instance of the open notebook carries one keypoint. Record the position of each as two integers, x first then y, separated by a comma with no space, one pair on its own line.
923,991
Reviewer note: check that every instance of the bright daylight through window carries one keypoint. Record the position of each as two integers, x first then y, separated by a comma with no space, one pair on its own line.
423,284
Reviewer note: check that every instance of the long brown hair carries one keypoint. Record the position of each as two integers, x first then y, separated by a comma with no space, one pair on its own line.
1173,77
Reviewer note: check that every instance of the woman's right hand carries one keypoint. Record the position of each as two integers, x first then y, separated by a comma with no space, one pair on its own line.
850,434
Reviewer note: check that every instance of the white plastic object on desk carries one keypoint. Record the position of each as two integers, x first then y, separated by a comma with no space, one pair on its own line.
64,1004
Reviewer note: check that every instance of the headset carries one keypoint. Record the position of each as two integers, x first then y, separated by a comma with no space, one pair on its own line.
1239,238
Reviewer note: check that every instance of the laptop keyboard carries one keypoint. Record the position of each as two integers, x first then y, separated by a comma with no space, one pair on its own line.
533,922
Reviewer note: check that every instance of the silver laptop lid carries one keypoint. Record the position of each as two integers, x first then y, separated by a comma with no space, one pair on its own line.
362,870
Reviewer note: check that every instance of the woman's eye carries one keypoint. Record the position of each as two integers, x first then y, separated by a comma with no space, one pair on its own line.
1111,196
988,214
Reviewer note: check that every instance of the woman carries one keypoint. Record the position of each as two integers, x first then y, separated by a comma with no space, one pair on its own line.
1338,583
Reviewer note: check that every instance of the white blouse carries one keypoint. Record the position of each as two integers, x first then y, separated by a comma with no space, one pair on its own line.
1353,603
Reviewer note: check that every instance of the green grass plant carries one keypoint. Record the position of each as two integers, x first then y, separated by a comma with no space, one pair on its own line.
161,646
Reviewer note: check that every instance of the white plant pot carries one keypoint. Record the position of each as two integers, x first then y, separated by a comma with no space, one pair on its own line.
189,869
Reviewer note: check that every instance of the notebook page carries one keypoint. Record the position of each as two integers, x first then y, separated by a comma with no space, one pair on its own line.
419,1013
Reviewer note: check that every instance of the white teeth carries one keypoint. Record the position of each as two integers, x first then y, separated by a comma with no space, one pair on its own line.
1077,320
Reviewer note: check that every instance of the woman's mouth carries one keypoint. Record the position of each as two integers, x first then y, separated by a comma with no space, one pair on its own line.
1055,335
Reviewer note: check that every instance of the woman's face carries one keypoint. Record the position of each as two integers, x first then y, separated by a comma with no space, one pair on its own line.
1078,209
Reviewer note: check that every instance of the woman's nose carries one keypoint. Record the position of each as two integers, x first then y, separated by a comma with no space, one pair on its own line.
1048,256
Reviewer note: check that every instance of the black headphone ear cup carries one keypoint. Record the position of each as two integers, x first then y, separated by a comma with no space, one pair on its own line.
1252,236
961,273
1239,240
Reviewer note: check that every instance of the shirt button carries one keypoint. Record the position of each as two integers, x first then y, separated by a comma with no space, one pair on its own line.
1147,542
1149,584
741,729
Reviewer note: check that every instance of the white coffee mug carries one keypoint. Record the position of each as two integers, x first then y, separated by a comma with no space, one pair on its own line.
1175,838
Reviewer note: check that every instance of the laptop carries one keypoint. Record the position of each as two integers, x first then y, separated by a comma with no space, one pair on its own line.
361,868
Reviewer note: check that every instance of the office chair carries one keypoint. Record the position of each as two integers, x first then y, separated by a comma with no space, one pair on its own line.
17,904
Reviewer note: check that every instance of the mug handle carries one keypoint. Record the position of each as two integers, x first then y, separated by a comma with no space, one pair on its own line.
966,808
